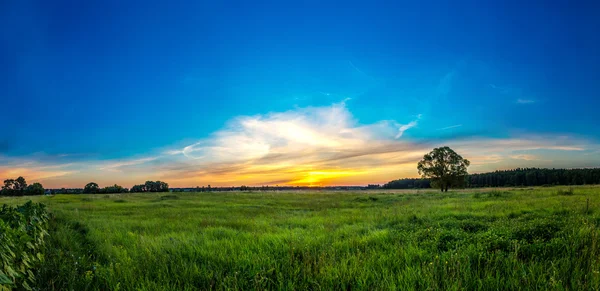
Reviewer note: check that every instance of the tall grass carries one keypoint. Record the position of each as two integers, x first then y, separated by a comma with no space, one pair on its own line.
396,240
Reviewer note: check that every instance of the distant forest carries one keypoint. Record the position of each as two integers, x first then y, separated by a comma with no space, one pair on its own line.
516,177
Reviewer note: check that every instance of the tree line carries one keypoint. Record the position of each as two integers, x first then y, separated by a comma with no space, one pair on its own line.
535,177
512,178
149,186
505,178
19,187
408,183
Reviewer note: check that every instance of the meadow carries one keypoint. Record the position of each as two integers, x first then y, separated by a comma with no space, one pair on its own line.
488,239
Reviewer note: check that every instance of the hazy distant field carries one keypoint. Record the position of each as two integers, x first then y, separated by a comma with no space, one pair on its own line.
399,240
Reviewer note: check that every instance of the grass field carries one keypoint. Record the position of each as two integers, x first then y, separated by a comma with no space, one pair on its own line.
494,239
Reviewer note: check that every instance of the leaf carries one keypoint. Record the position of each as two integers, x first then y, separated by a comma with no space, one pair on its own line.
5,279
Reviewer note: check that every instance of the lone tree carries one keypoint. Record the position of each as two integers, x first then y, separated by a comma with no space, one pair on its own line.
91,187
444,167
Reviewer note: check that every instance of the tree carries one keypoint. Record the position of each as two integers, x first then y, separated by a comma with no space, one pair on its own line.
162,186
150,186
20,186
137,188
444,167
113,189
35,189
91,188
8,188
14,187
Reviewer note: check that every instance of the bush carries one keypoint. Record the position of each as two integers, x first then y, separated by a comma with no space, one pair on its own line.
565,192
22,232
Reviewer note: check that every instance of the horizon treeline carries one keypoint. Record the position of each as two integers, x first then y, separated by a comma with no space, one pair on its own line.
19,187
502,178
513,178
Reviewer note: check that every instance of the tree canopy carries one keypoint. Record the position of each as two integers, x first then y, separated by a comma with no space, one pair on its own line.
444,168
151,186
18,187
91,188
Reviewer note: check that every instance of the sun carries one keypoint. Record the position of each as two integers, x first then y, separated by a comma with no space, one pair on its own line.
323,177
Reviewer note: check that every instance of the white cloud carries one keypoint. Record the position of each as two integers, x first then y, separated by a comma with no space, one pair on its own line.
524,157
118,165
405,127
450,127
304,146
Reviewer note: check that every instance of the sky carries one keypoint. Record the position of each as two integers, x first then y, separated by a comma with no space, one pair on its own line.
232,93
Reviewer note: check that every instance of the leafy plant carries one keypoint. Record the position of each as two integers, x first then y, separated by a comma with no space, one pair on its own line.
22,232
565,192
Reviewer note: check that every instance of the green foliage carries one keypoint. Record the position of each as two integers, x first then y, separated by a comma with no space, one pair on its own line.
91,188
407,183
35,189
22,233
113,189
151,186
444,168
535,177
516,177
18,187
565,192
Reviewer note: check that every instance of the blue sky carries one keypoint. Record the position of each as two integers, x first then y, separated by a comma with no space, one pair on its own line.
105,90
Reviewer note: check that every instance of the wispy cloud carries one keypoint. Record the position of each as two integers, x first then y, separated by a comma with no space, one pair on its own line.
450,127
525,101
33,170
513,92
404,127
305,146
357,69
524,157
120,165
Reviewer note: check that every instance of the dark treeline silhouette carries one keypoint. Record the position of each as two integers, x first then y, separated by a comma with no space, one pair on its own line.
506,178
408,183
151,186
535,177
92,188
19,187
513,178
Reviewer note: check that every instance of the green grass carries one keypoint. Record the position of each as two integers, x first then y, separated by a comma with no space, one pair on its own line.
496,239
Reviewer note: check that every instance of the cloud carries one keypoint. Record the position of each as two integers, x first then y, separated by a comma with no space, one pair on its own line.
524,157
304,146
525,101
32,170
450,127
405,127
513,92
120,165
355,68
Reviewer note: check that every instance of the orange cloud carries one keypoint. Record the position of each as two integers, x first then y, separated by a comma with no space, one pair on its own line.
305,146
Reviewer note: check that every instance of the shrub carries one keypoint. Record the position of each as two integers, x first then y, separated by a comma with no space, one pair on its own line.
565,192
22,232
